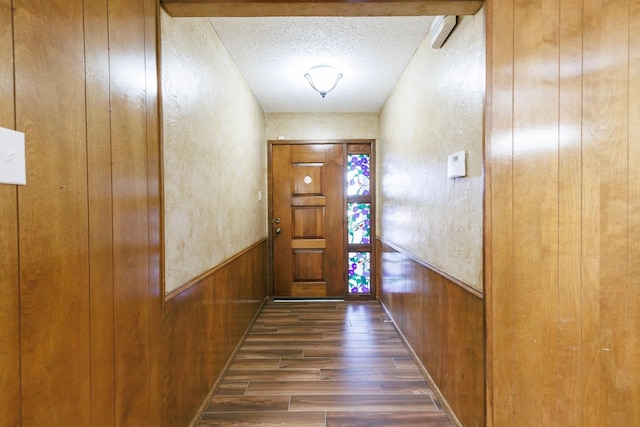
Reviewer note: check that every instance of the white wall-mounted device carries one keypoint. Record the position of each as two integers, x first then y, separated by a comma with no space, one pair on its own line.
12,157
457,165
441,27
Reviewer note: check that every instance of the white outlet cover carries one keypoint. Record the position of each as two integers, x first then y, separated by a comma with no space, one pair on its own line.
12,157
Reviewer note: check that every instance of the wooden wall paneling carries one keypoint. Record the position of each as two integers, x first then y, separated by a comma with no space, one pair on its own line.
447,333
400,290
130,211
100,211
53,229
570,382
223,316
407,279
462,354
171,361
499,276
196,366
487,225
384,254
605,217
633,255
259,270
203,325
6,67
589,360
397,289
182,395
53,213
413,328
391,266
238,307
215,330
154,191
431,352
535,212
9,272
189,361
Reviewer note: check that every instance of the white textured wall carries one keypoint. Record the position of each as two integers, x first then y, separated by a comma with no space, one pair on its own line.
436,109
322,125
214,153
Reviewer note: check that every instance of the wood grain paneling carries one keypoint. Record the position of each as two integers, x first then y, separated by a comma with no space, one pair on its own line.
85,95
154,207
100,211
52,209
443,324
203,324
535,211
562,214
633,255
9,272
604,215
570,207
130,211
499,188
320,7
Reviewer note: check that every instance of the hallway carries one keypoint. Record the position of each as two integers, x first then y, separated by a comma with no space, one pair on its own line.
323,364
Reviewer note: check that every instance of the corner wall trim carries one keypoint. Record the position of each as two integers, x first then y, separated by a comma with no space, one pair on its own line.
177,291
467,287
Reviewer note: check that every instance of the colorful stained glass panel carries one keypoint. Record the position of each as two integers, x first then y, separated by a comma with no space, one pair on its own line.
359,272
358,175
359,215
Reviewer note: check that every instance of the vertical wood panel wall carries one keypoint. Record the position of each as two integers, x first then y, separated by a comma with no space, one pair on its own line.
9,271
52,212
80,242
443,324
562,270
100,209
203,325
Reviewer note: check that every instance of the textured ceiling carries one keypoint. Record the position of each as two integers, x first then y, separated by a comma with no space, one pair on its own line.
273,54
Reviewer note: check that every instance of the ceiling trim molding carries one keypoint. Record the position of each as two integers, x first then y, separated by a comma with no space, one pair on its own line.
266,8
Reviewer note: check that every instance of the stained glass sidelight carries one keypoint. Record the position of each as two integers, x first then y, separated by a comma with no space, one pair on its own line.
359,272
359,226
359,215
358,174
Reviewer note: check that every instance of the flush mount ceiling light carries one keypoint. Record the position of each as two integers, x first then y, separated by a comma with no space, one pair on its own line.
323,78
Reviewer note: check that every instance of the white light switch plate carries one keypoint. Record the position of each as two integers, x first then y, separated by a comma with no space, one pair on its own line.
457,165
12,158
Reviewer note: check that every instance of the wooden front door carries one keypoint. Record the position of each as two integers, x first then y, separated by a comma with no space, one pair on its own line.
308,220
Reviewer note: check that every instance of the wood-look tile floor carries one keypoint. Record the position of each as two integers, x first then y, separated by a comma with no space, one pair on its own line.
323,364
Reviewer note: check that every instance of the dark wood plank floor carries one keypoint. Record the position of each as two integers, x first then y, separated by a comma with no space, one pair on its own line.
323,364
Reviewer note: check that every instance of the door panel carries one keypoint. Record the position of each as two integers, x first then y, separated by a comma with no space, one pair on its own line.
308,220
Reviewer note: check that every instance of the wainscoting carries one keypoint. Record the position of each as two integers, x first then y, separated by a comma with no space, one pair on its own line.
443,323
203,324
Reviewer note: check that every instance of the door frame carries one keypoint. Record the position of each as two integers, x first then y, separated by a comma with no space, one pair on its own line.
345,142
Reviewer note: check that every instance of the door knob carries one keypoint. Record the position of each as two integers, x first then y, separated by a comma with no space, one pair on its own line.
277,220
278,230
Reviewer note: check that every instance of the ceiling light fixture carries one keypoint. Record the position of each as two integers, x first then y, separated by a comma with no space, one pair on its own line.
323,78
